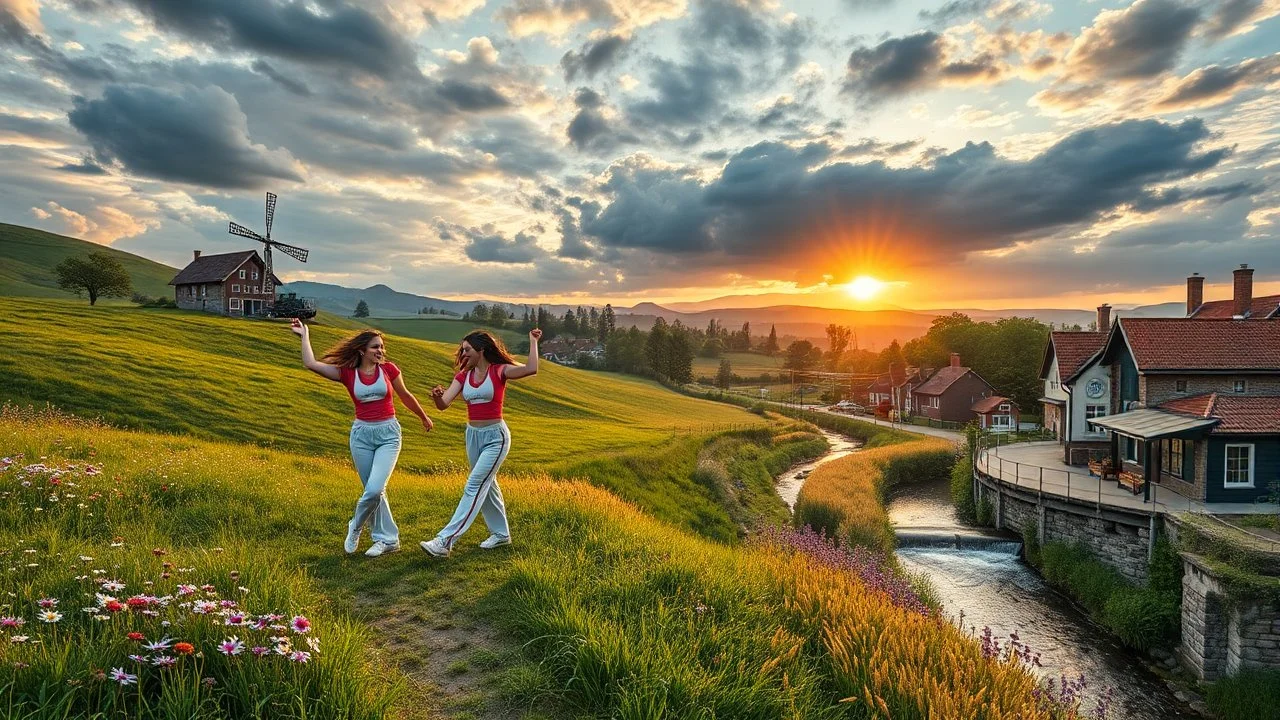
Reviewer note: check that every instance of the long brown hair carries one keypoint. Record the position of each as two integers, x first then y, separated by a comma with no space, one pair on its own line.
347,353
487,345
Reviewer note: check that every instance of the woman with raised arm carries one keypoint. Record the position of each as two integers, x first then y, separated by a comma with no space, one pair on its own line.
360,363
485,368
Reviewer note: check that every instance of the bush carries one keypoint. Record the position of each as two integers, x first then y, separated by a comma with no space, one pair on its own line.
1249,695
962,491
1031,543
1143,618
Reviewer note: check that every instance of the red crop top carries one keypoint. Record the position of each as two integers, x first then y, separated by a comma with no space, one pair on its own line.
382,408
484,400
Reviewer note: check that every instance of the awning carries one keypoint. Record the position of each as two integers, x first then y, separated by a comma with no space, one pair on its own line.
1152,424
1053,401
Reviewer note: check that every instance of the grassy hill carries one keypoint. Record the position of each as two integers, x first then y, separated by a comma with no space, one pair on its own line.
445,330
242,380
28,257
598,610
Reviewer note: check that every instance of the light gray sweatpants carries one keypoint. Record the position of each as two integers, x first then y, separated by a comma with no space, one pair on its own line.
487,447
375,446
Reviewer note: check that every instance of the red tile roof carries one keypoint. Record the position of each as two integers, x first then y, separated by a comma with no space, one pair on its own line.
1264,307
1192,344
986,405
941,380
1073,349
1237,414
215,268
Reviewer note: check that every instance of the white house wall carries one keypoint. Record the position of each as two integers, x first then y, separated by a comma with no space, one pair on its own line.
1079,399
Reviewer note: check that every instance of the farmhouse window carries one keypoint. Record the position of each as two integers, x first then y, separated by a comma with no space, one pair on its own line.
1239,470
235,303
235,288
242,273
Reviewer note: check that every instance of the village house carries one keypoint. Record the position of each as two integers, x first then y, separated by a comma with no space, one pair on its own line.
1242,304
566,351
997,414
1077,389
950,393
225,284
1199,406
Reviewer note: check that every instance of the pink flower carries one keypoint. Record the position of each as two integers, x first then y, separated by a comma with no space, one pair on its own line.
300,624
112,585
235,619
259,651
47,603
204,607
11,622
164,661
122,677
231,646
158,645
299,656
209,682
139,658
186,589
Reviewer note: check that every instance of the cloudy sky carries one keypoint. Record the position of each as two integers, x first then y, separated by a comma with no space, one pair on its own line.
971,152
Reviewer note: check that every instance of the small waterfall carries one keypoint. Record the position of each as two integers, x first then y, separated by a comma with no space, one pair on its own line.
922,538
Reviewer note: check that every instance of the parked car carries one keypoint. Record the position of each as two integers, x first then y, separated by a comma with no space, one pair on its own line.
848,406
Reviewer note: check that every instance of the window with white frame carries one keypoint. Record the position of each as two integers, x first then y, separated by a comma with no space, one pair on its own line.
204,290
235,288
1171,456
1239,466
241,273
1001,421
1004,407
235,303
1091,412
1238,386
257,289
255,274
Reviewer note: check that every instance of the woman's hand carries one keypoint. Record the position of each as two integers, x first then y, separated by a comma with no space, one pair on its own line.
437,392
535,334
299,328
427,424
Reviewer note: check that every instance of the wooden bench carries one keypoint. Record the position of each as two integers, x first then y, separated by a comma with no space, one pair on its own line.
1102,469
1131,480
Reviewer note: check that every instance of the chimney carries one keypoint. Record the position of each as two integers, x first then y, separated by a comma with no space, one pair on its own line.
955,359
1195,293
1243,290
1104,317
197,255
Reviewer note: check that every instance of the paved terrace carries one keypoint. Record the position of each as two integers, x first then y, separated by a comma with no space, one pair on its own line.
1038,466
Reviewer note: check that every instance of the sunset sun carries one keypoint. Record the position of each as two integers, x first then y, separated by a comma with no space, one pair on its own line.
864,287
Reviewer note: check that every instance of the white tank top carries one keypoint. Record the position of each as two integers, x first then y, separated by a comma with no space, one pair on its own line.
482,394
373,391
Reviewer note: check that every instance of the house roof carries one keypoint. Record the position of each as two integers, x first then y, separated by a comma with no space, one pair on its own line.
1265,307
1153,424
881,384
987,404
1237,414
1181,344
944,378
215,268
1073,350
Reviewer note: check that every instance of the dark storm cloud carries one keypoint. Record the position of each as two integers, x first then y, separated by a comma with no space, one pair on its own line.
771,200
594,56
589,128
902,65
687,93
343,35
1218,83
199,136
486,244
294,86
1140,41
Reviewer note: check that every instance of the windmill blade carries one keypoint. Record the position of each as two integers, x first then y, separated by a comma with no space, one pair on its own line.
242,231
271,211
292,251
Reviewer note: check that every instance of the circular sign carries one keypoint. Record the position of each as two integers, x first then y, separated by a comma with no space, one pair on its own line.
1095,388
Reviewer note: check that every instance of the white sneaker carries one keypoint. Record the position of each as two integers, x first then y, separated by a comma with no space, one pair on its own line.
495,541
381,548
353,540
435,547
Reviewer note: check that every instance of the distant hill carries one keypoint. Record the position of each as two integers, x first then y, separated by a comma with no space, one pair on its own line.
387,303
28,257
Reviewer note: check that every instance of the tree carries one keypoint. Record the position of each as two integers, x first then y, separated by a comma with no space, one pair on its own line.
771,345
724,376
744,338
97,274
655,347
838,338
570,323
362,309
607,323
892,356
802,355
679,358
712,347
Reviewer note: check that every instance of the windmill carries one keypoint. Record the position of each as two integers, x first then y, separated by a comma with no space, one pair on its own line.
268,285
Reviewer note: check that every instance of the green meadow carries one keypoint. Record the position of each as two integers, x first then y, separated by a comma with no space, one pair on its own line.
28,257
189,545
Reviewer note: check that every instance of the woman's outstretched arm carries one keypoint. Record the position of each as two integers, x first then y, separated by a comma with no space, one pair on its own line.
443,398
411,402
309,361
515,372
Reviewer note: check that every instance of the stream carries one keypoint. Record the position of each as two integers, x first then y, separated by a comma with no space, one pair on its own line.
982,577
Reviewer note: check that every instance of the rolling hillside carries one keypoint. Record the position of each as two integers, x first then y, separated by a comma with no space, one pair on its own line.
28,257
240,380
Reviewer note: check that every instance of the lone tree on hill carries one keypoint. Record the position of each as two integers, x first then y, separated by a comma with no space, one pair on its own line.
724,377
771,344
97,274
362,309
